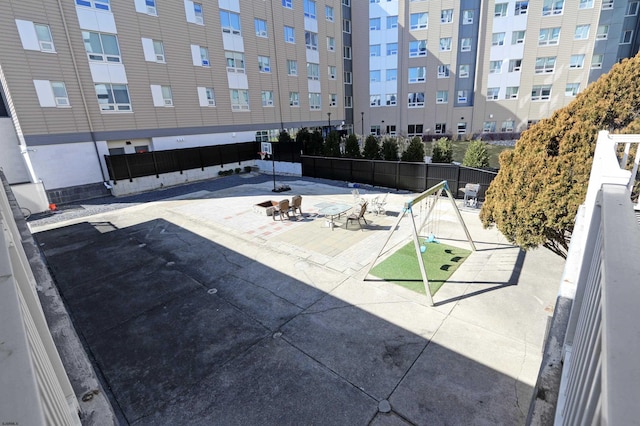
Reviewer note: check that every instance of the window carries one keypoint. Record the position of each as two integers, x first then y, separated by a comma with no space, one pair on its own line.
346,2
113,97
549,36
463,71
204,56
467,17
375,130
493,93
313,71
332,72
374,1
374,76
419,21
346,26
522,7
310,9
167,97
294,99
235,61
586,4
374,50
264,64
374,24
545,65
500,10
515,65
230,22
45,41
287,3
445,44
571,89
417,48
391,74
348,102
392,22
511,92
552,7
95,4
442,97
415,129
462,96
596,61
517,37
626,37
101,47
392,49
446,16
495,67
292,67
603,32
331,44
576,61
489,127
582,32
416,100
346,52
333,100
507,126
417,74
465,45
206,96
607,4
541,93
374,100
328,13
261,27
531,123
391,99
198,17
158,50
289,34
632,8
51,93
267,98
497,39
239,99
391,129
348,77
311,40
443,71
462,127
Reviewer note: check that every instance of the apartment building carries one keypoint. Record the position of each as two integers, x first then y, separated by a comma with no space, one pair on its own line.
473,68
81,79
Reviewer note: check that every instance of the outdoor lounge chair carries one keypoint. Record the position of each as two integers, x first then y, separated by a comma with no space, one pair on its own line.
296,204
282,209
357,215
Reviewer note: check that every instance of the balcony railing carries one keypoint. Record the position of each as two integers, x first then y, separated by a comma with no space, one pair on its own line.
35,388
600,380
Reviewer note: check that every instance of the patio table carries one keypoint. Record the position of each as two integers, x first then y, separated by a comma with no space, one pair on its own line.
333,210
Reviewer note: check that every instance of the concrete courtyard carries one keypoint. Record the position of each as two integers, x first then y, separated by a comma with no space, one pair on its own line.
197,310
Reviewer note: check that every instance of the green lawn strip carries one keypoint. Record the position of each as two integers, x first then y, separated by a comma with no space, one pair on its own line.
402,267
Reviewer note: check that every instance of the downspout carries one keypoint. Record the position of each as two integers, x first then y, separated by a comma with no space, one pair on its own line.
82,95
275,52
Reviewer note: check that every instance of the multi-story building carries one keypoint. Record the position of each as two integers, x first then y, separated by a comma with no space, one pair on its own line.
81,79
467,68
86,78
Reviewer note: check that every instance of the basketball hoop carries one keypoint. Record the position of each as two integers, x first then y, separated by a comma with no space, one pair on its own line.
262,155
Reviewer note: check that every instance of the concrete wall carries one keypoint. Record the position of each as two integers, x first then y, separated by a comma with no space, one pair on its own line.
11,160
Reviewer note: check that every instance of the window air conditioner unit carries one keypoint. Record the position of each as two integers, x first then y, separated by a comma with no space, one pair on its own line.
160,58
462,100
262,33
205,63
440,100
151,10
199,20
46,46
266,69
212,102
269,103
62,101
294,103
168,102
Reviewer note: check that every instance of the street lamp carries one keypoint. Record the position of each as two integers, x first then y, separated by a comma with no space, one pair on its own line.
329,119
362,122
382,128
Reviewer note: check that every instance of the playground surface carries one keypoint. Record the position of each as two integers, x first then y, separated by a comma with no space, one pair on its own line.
199,310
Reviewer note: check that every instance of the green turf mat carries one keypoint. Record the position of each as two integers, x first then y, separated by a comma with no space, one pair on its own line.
402,268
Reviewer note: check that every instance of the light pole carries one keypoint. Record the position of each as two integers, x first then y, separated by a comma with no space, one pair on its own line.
382,128
329,120
362,122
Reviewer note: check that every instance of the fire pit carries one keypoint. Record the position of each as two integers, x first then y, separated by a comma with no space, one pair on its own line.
266,207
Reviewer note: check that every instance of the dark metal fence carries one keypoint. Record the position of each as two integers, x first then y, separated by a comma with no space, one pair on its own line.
415,177
130,166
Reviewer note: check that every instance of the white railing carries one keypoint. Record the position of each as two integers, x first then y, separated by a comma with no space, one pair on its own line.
600,380
35,389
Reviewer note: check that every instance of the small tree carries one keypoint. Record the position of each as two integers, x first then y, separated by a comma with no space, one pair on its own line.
303,138
476,155
442,151
352,147
371,149
315,145
415,150
332,145
284,137
390,150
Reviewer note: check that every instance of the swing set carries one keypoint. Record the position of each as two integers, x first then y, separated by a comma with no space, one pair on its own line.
435,192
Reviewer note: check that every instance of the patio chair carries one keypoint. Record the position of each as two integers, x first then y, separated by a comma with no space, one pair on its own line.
296,204
358,214
378,203
282,209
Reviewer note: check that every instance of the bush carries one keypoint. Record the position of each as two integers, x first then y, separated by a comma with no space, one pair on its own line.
415,151
390,150
247,169
332,145
476,155
371,149
352,147
237,170
442,151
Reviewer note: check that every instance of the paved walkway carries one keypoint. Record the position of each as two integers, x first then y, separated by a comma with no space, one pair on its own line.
198,310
